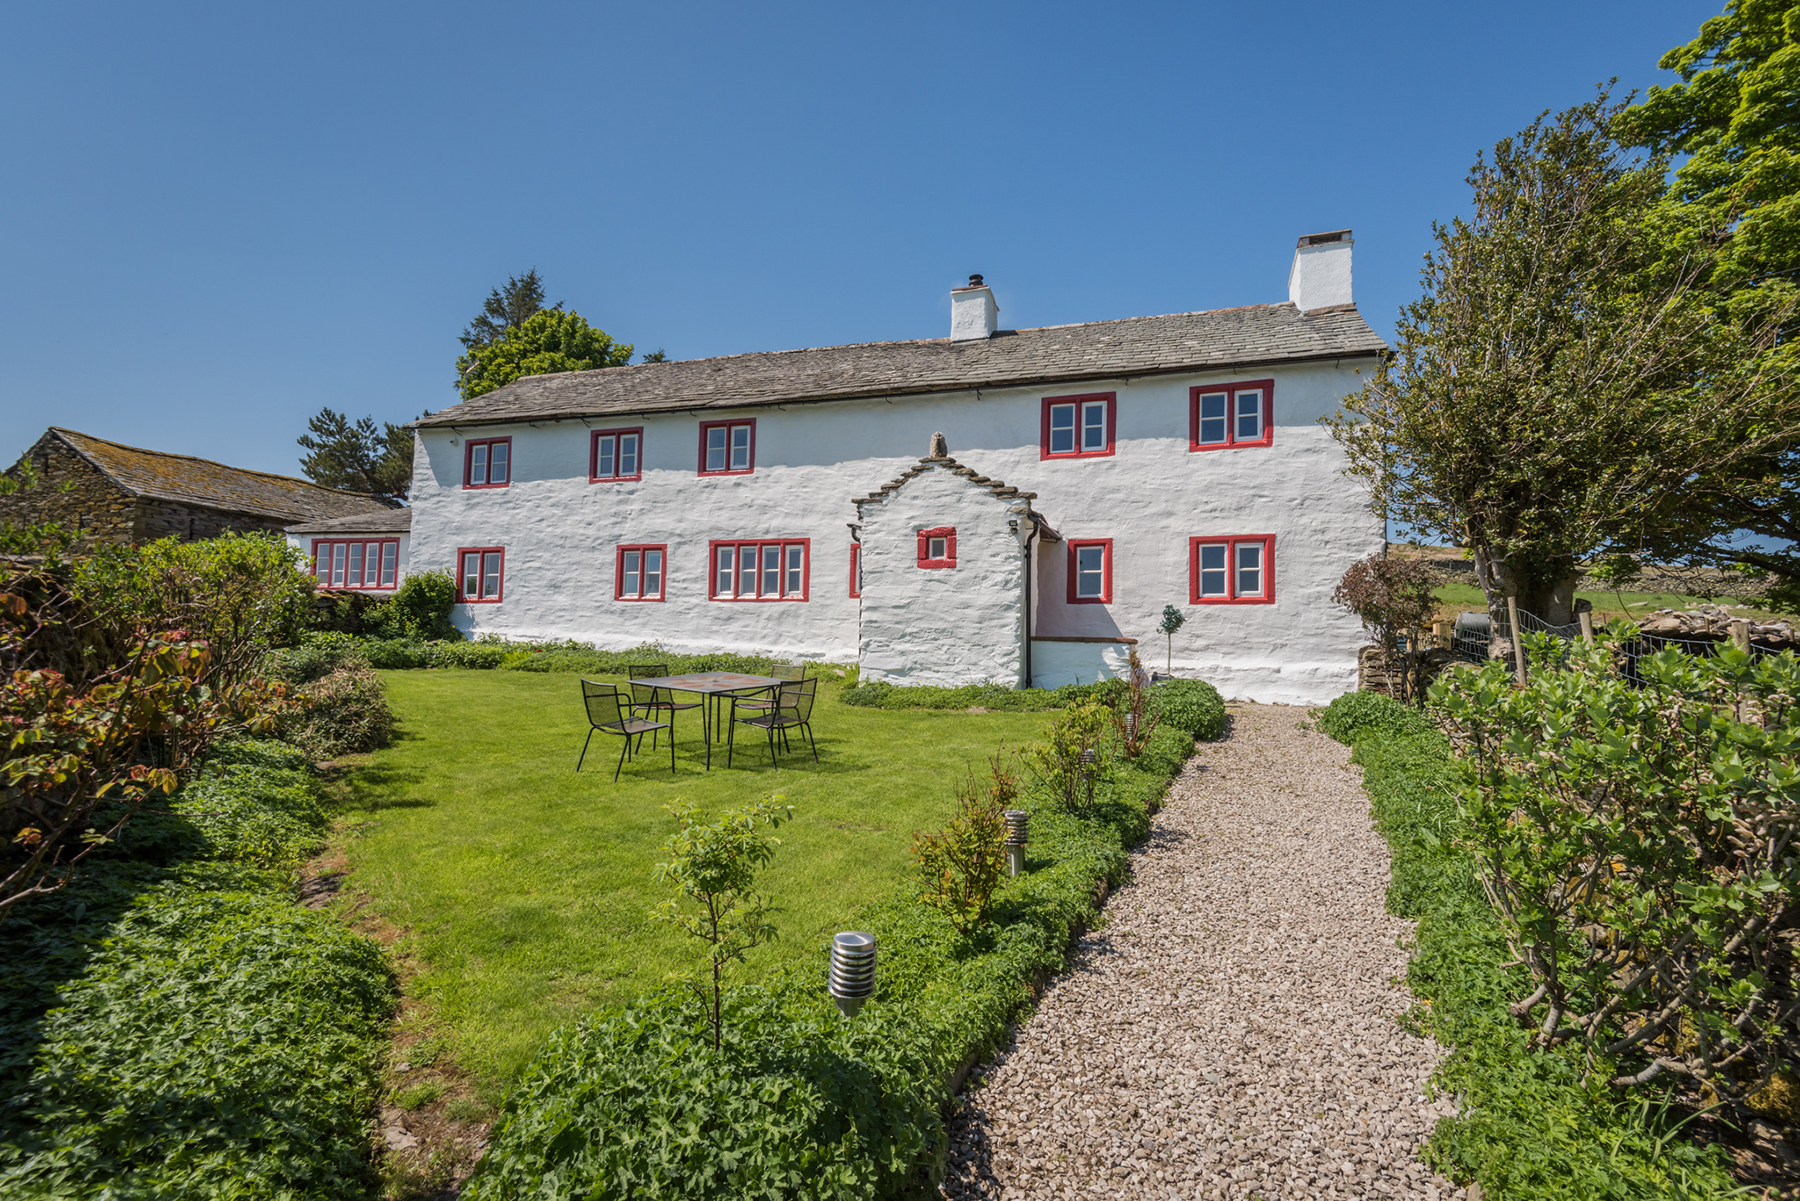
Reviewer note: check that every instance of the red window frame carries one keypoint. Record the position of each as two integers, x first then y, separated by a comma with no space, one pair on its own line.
855,570
469,445
594,476
728,426
1106,563
1111,400
662,575
1231,542
760,547
462,555
948,558
1266,386
362,564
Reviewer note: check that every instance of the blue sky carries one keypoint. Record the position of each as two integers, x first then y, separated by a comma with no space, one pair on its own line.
216,219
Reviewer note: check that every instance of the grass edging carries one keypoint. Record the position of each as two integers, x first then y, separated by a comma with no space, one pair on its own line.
798,1102
1528,1124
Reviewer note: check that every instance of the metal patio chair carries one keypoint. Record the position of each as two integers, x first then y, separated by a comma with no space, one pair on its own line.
792,710
655,700
609,712
762,701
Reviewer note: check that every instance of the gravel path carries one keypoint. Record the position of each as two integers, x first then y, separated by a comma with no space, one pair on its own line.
1230,1031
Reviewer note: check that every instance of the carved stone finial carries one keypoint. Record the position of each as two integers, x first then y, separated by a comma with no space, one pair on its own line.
939,448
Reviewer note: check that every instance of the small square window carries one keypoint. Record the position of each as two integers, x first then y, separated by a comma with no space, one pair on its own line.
1090,572
487,462
1237,570
1228,415
1078,427
937,547
727,447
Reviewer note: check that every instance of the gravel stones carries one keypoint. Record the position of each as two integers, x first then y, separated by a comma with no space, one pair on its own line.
1230,1031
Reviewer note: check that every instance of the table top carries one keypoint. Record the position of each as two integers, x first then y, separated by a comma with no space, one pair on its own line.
712,681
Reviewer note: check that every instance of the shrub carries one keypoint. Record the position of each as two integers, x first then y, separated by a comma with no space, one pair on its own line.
1528,1126
175,1026
1356,715
881,695
1069,760
344,713
963,865
388,654
1192,706
1392,598
1633,838
318,654
419,609
1134,718
482,656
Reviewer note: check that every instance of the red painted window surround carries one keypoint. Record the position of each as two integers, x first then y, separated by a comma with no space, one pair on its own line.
1222,428
948,558
1077,410
1221,578
1076,546
621,458
480,574
356,563
759,569
487,469
855,570
643,572
732,451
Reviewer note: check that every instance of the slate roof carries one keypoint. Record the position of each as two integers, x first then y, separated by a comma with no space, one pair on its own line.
940,458
1255,335
386,521
190,481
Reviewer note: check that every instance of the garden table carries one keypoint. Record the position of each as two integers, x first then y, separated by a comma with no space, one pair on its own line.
711,685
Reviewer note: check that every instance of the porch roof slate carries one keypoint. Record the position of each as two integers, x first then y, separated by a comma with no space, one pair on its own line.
1253,335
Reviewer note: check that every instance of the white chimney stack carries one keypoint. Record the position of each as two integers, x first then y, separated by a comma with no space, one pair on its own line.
973,313
1321,273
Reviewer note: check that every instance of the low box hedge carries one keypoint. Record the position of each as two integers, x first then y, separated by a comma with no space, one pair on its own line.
798,1102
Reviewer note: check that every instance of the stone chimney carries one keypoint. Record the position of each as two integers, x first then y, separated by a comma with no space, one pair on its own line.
1321,272
973,313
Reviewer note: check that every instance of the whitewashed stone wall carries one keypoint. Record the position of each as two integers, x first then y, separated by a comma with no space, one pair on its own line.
560,532
943,625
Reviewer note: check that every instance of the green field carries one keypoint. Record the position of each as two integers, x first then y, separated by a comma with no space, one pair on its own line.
1464,598
527,890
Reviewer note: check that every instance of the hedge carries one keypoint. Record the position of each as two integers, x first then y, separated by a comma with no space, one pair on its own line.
1528,1126
173,1025
798,1102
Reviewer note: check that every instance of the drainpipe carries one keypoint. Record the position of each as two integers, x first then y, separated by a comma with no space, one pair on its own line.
1029,535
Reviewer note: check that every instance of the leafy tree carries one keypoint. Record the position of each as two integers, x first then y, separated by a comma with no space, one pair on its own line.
547,342
1172,621
1562,380
1736,114
358,457
713,866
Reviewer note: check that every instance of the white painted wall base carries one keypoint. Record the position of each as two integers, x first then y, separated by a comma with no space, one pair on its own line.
1269,681
1054,664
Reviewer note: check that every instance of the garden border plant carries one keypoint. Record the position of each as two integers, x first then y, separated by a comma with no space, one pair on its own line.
798,1101
1530,1126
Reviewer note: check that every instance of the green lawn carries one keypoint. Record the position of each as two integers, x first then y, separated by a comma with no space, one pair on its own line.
528,889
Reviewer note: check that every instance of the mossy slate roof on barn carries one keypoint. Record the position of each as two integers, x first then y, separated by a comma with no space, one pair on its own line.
191,481
1252,336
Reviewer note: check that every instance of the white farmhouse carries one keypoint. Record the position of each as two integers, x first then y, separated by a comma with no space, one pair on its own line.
1013,506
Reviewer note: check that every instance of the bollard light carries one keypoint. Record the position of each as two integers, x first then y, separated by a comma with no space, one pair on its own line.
1087,764
1018,833
852,970
1130,726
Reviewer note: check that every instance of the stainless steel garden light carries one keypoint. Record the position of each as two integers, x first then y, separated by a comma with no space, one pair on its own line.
852,970
1087,764
1018,833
